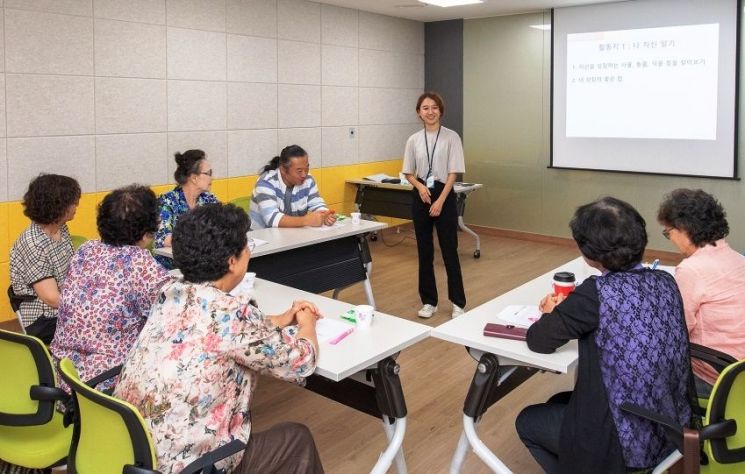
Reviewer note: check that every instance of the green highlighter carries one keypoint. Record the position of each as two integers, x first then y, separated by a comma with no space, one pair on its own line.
349,316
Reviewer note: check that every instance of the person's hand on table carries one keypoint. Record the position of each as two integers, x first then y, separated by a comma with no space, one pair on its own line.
436,208
550,301
330,218
315,218
300,305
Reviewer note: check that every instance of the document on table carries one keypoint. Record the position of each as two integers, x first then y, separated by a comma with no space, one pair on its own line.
258,242
520,315
378,178
331,331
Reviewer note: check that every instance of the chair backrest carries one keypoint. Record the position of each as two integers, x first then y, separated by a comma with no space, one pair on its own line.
109,433
727,402
77,241
26,364
244,202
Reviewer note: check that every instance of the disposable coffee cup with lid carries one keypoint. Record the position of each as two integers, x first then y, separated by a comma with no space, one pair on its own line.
564,283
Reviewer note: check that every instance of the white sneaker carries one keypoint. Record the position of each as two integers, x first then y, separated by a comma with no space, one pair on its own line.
427,311
457,311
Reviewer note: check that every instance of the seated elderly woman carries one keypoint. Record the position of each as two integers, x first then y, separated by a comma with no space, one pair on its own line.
193,177
40,256
195,365
633,347
711,277
110,285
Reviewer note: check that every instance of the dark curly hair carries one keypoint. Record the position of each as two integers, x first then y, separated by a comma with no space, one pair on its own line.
187,164
695,212
49,196
126,214
206,237
610,231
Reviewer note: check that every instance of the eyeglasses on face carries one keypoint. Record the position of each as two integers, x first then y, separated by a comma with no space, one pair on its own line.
251,245
666,232
208,172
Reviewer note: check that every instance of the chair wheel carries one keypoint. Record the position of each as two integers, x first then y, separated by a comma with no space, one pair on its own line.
477,254
374,237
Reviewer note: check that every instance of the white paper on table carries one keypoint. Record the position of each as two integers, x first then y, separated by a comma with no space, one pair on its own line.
520,315
332,331
258,242
378,178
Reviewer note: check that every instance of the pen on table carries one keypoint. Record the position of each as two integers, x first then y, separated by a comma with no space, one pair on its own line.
341,336
655,263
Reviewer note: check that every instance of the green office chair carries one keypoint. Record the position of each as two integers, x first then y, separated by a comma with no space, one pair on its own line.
32,432
722,435
110,436
77,241
244,202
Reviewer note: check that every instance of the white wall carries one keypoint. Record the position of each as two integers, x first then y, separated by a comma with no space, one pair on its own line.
107,90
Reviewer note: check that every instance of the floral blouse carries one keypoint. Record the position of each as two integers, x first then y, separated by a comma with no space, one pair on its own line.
105,300
172,205
194,368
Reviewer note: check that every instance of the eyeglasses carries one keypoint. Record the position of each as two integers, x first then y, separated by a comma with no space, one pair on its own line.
251,245
208,172
666,232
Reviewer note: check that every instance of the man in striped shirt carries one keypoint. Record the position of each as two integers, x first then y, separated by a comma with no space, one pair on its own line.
287,196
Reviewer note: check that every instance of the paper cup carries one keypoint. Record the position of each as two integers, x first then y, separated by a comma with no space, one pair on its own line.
564,283
364,315
356,218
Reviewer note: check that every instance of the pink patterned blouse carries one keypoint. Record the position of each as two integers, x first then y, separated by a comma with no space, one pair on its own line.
105,300
194,368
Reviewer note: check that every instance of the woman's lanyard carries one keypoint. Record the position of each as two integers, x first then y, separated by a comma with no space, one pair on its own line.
430,159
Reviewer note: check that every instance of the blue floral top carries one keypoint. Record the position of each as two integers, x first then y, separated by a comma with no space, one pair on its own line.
172,205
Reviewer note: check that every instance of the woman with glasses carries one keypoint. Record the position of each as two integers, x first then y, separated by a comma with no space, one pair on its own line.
711,277
286,195
110,285
194,368
193,177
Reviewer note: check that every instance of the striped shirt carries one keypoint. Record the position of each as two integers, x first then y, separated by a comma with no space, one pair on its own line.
272,200
35,257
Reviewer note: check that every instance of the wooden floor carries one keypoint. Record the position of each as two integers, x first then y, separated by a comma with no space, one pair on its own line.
435,374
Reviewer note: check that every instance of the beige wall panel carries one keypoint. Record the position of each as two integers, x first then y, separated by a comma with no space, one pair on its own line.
196,55
339,26
338,148
339,106
214,144
384,142
249,150
71,156
299,106
49,105
299,20
48,43
71,7
308,138
386,33
339,66
3,171
252,17
197,14
252,59
129,49
299,62
381,106
132,158
387,69
130,105
194,105
2,106
142,11
252,105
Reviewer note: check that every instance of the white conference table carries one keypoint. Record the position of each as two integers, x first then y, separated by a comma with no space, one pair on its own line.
493,353
314,259
394,200
344,365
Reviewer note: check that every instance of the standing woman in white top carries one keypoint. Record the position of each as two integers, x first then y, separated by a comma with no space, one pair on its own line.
432,158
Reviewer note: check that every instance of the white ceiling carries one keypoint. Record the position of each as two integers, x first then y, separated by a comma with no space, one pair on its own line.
414,10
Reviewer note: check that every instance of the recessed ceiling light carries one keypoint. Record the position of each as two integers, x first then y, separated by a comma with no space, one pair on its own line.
451,3
541,27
